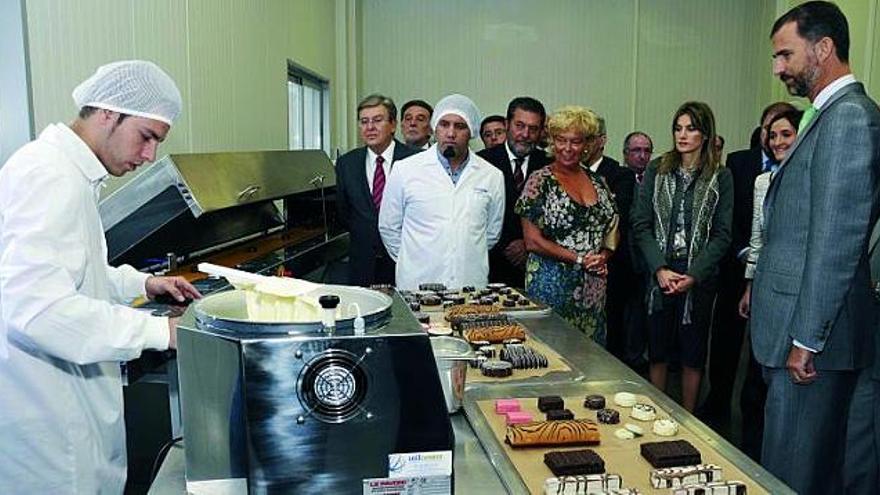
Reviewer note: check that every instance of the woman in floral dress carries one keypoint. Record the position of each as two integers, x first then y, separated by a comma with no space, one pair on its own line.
569,225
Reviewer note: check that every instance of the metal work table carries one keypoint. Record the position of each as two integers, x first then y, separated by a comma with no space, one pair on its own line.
476,471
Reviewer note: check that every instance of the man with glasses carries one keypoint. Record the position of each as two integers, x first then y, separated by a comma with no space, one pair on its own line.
361,175
517,158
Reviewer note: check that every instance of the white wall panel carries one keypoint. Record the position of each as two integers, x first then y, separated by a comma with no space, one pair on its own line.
634,61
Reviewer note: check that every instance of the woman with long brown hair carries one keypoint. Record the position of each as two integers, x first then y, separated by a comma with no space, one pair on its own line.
682,225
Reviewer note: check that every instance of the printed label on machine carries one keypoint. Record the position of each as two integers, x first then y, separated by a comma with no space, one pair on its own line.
427,485
437,463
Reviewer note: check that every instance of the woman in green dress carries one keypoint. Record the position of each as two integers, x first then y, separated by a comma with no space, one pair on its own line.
569,225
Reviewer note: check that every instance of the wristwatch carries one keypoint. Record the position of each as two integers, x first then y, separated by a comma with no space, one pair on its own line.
579,261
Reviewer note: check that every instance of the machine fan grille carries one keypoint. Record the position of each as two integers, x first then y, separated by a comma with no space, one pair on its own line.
332,386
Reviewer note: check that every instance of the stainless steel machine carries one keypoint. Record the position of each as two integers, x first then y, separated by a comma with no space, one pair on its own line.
292,408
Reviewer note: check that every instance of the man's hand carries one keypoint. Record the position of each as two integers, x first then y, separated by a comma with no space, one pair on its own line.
176,287
172,333
516,253
800,366
745,302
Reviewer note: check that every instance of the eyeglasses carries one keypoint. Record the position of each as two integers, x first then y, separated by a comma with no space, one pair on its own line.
365,122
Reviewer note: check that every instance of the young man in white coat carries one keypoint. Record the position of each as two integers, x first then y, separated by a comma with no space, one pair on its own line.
443,209
64,325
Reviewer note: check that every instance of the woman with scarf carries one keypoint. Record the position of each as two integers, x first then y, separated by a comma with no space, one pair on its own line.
681,223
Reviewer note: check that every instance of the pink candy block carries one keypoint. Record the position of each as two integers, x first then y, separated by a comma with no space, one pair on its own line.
506,405
517,417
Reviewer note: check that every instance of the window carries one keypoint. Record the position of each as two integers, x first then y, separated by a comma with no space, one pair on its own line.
308,116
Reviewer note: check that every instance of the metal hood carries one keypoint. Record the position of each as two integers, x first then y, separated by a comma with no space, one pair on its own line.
190,202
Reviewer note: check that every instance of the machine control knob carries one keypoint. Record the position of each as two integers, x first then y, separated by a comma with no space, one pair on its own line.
368,350
298,354
300,420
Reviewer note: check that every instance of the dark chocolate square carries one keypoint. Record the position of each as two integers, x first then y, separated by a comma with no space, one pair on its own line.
550,402
672,453
556,414
574,462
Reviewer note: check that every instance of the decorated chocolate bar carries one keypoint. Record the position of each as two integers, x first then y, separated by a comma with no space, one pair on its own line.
582,485
687,475
714,488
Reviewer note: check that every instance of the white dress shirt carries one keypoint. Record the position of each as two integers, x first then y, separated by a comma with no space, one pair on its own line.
388,155
62,331
438,231
835,86
524,166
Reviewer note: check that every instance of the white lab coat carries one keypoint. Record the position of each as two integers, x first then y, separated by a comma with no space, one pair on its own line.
438,231
62,333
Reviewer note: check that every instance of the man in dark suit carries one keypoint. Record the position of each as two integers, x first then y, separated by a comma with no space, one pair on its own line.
517,158
728,327
622,182
637,151
813,313
360,181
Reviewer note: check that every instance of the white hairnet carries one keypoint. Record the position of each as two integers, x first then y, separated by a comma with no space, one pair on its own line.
133,87
459,105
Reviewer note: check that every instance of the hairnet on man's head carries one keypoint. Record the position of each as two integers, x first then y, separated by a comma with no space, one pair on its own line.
458,105
132,87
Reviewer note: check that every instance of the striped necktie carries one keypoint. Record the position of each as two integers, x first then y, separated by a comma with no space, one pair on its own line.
378,182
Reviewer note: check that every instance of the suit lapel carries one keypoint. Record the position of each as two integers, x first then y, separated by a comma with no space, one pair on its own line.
777,179
360,176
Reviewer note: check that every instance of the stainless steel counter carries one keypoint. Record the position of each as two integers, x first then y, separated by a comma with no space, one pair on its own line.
477,472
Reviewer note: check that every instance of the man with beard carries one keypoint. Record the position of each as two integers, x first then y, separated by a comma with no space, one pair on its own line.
813,312
443,208
517,158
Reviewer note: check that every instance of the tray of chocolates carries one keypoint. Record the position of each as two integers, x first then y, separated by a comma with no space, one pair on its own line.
499,297
559,439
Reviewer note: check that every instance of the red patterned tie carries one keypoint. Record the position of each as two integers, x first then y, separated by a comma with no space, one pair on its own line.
518,179
378,182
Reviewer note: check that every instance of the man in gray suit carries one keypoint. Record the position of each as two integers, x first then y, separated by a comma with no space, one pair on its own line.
813,313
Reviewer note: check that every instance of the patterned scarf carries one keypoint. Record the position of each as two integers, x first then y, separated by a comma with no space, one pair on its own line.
706,196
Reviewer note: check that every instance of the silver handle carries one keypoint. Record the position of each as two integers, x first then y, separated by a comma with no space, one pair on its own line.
248,192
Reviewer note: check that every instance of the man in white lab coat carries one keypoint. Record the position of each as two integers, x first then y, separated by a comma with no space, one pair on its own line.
443,208
64,325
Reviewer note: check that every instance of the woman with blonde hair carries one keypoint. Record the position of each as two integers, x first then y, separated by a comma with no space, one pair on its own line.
569,225
682,226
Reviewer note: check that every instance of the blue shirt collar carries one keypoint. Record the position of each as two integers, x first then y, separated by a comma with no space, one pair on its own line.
448,168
